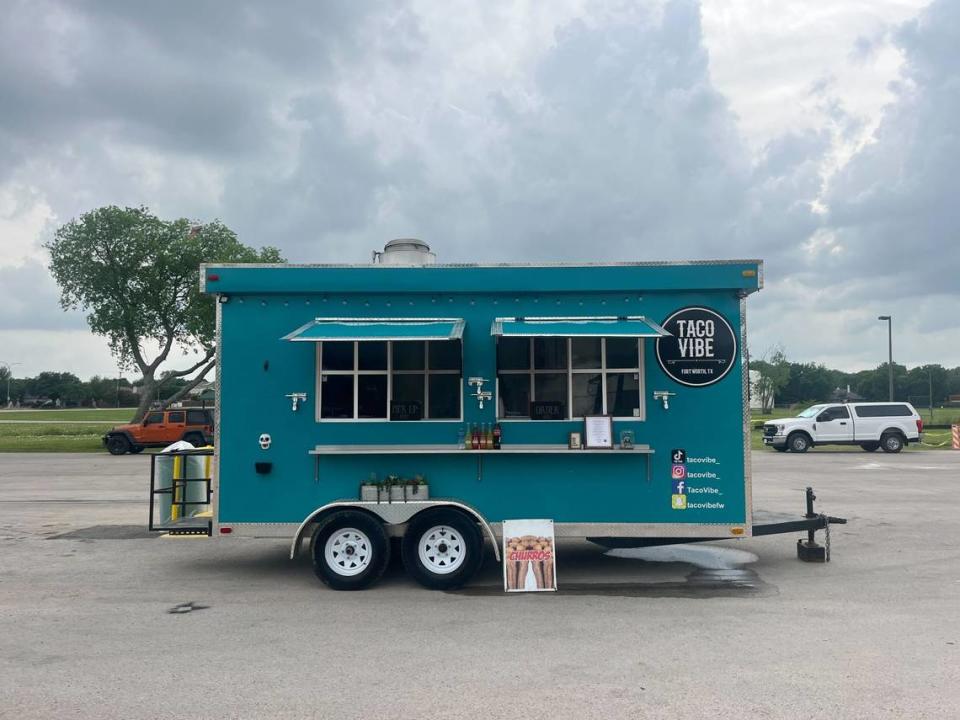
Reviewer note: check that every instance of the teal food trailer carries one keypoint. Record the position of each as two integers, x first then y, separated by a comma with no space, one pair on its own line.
405,398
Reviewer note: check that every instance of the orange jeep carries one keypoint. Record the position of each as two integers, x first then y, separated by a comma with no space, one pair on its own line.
159,428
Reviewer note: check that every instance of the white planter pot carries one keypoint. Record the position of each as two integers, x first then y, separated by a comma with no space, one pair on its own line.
404,493
395,493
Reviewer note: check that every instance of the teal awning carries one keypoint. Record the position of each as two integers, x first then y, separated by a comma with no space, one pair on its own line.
378,329
602,326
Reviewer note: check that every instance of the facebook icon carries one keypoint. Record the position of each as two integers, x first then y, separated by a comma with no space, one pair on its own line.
679,487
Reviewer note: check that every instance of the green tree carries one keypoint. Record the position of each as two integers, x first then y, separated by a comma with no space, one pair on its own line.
136,276
6,380
65,387
774,369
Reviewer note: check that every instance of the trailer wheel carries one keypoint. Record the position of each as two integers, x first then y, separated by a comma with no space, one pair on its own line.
891,443
350,550
870,446
442,549
798,442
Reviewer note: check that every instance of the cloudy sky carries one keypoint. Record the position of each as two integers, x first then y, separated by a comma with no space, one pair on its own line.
819,135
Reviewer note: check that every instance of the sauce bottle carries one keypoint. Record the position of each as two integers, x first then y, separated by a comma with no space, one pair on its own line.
497,436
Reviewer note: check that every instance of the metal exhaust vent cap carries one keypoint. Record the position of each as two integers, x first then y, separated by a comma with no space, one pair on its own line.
405,251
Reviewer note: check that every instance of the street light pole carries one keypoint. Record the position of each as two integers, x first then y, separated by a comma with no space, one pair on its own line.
889,319
9,367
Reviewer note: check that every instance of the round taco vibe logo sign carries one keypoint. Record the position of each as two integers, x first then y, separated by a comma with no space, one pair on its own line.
701,350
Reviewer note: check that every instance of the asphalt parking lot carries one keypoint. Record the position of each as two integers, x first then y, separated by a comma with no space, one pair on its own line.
85,629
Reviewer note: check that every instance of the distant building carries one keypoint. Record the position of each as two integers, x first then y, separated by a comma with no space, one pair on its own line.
756,397
845,395
202,387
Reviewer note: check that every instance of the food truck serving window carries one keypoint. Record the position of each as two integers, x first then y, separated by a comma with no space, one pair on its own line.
566,368
577,376
386,368
389,379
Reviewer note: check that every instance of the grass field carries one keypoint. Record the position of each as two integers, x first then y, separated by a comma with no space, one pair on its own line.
52,437
110,415
78,430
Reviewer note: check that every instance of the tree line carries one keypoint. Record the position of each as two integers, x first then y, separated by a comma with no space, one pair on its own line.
795,383
64,389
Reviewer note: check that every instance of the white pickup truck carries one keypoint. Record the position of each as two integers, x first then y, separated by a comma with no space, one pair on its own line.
889,426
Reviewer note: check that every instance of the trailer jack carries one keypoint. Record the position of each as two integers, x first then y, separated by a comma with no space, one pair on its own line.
810,550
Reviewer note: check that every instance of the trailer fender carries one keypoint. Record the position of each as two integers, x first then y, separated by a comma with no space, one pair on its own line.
392,514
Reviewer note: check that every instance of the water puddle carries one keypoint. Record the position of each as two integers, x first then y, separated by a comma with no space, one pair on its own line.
708,557
715,572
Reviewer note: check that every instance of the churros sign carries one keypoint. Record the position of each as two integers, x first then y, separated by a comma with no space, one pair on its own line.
529,556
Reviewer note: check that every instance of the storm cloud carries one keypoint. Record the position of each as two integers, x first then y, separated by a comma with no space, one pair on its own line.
499,132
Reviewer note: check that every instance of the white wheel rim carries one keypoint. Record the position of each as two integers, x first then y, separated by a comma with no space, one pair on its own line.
348,552
442,549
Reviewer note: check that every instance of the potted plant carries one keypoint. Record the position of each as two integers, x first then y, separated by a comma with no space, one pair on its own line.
370,490
394,488
417,488
397,489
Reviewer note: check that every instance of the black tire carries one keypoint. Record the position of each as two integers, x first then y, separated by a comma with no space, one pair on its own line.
118,445
891,443
136,449
779,448
353,537
870,446
195,439
798,442
455,541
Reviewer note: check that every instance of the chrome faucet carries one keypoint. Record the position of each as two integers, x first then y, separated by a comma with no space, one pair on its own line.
296,399
480,393
664,396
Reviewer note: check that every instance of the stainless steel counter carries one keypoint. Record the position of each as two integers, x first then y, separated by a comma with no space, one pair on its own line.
558,449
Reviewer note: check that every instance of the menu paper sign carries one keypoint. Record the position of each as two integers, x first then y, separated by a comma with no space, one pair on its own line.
598,432
529,556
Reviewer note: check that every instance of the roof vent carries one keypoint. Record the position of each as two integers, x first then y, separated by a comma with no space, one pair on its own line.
405,251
